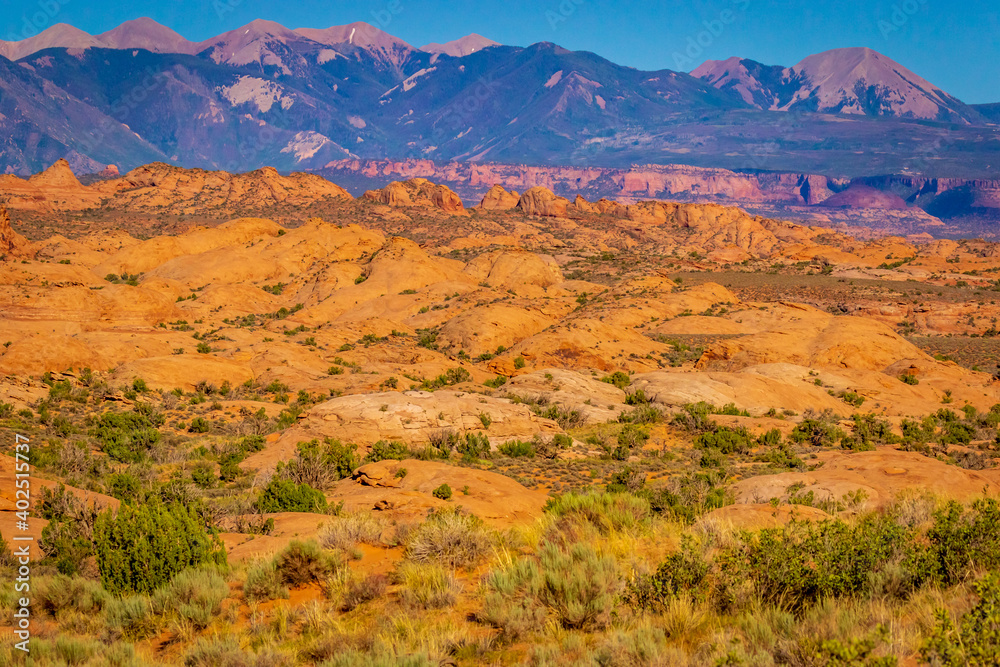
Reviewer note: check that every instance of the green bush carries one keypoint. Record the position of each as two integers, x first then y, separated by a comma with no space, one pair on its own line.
303,563
321,464
511,601
195,595
727,440
694,417
816,432
263,583
517,449
199,425
284,495
382,451
143,547
428,586
473,447
797,565
965,539
976,639
131,617
59,593
443,492
619,379
682,572
127,436
606,512
450,537
579,585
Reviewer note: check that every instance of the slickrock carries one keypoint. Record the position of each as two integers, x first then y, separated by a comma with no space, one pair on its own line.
497,499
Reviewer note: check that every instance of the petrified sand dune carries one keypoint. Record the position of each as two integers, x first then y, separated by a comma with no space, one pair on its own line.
419,192
495,498
596,401
882,475
414,417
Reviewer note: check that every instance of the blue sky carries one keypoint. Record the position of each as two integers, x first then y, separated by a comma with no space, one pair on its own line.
954,45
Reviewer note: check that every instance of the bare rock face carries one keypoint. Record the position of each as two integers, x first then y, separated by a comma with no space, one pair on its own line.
542,201
514,268
882,475
498,199
494,498
10,241
414,417
419,192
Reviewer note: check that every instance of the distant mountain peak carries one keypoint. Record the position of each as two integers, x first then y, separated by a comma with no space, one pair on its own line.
852,80
380,44
461,47
145,33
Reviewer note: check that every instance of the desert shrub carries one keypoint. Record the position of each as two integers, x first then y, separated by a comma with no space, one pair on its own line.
637,397
683,572
199,425
124,486
852,398
976,639
450,537
619,379
965,539
382,451
128,436
427,586
443,492
694,417
564,417
797,565
226,652
782,456
131,617
816,432
644,414
67,539
77,594
474,446
579,585
320,464
517,449
909,378
303,563
142,547
871,430
511,601
366,589
606,512
629,437
348,531
283,495
195,595
263,583
726,440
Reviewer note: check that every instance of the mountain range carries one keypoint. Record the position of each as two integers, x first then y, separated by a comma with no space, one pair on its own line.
264,94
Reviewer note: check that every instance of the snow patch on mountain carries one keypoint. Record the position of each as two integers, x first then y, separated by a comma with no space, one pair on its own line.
265,94
305,145
411,82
